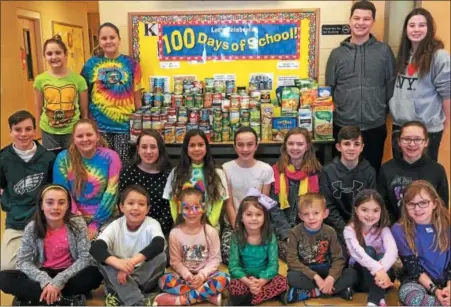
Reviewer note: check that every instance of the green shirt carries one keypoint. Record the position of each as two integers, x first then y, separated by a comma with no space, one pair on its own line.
61,96
261,261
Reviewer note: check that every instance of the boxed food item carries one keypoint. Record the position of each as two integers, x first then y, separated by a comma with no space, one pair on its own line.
323,122
288,97
267,113
281,126
305,119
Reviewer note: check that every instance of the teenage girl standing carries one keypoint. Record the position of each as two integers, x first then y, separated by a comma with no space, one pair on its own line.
114,86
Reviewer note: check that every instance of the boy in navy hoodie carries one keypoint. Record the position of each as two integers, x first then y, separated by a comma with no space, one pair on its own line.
344,177
25,166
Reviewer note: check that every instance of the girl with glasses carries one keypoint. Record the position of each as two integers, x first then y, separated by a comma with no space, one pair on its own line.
422,236
413,164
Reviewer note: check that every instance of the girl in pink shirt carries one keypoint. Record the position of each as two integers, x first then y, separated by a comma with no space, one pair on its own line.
371,245
53,262
194,250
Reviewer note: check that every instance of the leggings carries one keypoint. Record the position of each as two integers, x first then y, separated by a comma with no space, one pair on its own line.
216,283
414,294
241,295
18,284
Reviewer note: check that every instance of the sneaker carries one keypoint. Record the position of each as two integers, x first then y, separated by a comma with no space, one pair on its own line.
347,294
216,299
382,302
112,300
294,295
72,300
166,299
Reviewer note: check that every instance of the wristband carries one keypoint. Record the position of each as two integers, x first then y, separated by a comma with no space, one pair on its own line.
432,288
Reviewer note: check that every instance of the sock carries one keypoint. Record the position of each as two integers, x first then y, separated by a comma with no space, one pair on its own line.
382,302
314,292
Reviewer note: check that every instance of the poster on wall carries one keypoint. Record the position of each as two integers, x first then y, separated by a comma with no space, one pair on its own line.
242,43
72,36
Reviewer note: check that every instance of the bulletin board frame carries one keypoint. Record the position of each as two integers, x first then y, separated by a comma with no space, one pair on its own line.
312,16
73,38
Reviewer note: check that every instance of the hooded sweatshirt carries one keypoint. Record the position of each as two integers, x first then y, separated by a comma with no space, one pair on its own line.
421,99
22,182
396,174
340,185
362,80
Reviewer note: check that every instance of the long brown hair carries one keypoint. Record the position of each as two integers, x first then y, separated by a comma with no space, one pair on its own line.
183,171
422,58
40,221
309,164
240,229
440,216
362,197
76,161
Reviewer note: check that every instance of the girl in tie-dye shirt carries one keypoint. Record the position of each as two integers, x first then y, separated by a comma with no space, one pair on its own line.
90,171
114,87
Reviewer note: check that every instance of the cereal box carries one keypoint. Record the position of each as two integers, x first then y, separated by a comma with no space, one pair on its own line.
322,122
281,126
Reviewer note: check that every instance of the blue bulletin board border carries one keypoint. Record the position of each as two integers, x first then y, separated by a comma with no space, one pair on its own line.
209,17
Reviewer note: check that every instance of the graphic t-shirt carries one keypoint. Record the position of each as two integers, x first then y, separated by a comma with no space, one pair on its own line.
61,97
111,85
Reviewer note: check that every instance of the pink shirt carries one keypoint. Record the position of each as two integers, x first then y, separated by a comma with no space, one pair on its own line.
191,254
56,249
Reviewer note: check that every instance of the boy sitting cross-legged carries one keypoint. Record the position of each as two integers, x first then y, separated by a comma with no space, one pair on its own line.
315,258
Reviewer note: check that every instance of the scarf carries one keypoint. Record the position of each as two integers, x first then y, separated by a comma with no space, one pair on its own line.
306,183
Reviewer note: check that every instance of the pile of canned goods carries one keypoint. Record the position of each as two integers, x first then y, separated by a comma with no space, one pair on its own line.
216,107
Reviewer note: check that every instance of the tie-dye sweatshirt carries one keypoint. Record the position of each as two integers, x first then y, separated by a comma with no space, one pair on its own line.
111,87
99,194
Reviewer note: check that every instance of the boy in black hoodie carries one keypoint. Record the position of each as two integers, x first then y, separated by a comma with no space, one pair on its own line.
344,177
25,166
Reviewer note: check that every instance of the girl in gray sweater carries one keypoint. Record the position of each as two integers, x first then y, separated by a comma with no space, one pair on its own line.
53,262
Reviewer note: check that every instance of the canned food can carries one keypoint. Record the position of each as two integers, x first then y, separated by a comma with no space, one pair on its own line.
230,87
216,136
178,87
158,100
245,102
234,116
177,100
147,121
241,90
182,115
148,98
199,101
208,100
158,85
194,116
167,99
204,115
189,100
225,134
169,133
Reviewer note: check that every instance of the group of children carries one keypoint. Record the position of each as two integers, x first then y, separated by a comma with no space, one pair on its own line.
330,224
263,213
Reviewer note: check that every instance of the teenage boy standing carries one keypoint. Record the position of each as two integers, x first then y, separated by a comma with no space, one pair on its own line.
361,73
25,166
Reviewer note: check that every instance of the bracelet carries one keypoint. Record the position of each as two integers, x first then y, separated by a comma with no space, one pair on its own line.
432,288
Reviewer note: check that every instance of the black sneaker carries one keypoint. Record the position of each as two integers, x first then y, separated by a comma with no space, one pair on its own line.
72,300
347,294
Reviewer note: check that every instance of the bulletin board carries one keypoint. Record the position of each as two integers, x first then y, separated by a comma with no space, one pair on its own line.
276,44
72,37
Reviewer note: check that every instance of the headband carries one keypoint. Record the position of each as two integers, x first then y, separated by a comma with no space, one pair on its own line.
52,186
263,200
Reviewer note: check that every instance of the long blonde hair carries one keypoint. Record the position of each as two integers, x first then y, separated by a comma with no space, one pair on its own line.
440,216
76,162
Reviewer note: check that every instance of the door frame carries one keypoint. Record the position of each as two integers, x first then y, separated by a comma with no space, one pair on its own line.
35,17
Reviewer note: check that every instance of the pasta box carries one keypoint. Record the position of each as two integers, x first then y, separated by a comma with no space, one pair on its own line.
281,126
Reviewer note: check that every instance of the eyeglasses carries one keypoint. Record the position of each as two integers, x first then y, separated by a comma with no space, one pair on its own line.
422,204
407,141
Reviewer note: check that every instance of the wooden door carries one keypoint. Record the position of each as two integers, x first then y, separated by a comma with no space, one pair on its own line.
29,61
